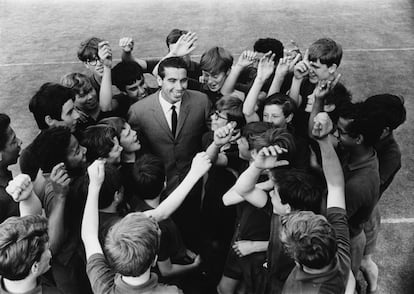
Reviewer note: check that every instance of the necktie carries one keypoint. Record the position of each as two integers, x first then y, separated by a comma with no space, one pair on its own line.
173,120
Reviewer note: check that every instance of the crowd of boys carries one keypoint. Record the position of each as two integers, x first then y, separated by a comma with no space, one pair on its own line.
255,176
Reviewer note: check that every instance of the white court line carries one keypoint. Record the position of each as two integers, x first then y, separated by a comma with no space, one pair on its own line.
195,56
397,221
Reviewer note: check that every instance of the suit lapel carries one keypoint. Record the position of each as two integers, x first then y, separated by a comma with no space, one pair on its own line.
184,111
159,116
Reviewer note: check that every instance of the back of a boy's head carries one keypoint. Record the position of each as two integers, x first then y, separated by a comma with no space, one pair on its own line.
22,242
51,147
327,51
148,176
287,104
126,73
99,141
387,106
132,244
216,60
254,129
309,238
173,36
88,49
274,136
234,109
78,82
4,127
48,101
299,188
264,45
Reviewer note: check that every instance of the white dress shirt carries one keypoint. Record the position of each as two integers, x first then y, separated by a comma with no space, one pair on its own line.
166,108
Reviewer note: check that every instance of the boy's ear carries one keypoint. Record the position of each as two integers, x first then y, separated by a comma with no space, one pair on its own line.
332,68
288,208
154,263
49,121
289,118
118,196
35,268
359,139
159,80
329,107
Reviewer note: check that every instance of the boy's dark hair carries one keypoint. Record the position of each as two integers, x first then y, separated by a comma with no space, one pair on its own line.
99,141
148,176
361,123
216,60
287,104
387,106
49,100
299,188
50,147
254,129
88,49
174,62
338,96
117,123
173,36
132,244
22,243
309,238
78,82
327,51
264,45
274,136
126,73
234,108
4,126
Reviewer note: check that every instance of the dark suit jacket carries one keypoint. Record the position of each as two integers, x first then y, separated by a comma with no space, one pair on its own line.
148,118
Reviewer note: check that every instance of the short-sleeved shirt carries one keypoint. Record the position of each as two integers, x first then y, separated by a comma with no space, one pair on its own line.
8,207
389,160
104,280
40,289
362,184
335,279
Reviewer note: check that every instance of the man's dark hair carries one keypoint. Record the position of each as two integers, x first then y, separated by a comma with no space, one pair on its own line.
174,62
173,36
361,123
299,188
264,45
4,126
327,51
88,49
126,73
48,101
50,147
22,243
148,176
99,141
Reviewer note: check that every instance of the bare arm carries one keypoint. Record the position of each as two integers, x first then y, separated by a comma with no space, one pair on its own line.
168,269
105,92
127,45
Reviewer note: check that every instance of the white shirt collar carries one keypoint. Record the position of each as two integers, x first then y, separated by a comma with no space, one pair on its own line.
166,108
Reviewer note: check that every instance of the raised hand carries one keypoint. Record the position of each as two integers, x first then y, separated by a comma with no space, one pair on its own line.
324,87
20,188
185,45
301,68
266,66
127,44
60,180
105,53
246,58
96,172
225,134
286,64
322,125
201,164
267,157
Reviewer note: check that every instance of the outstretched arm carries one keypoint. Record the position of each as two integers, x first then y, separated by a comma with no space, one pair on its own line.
90,221
200,165
330,163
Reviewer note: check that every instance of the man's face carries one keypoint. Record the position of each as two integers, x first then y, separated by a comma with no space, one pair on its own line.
345,141
319,71
174,84
138,90
75,154
87,101
114,156
129,140
214,81
11,150
96,66
69,116
274,114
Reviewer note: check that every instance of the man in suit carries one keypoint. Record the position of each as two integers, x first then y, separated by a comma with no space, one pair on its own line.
173,121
